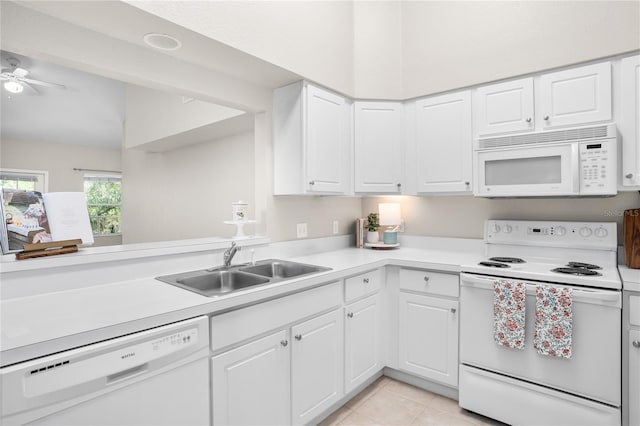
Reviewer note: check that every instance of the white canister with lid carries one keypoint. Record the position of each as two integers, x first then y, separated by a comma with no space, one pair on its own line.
240,210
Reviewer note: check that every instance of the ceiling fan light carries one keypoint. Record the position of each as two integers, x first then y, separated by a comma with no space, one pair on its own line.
13,86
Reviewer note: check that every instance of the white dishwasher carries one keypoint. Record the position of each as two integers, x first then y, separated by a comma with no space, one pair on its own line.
155,377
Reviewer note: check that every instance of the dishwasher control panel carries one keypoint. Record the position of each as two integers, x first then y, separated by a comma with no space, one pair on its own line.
180,339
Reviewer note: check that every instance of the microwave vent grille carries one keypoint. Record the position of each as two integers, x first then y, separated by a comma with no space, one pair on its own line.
585,133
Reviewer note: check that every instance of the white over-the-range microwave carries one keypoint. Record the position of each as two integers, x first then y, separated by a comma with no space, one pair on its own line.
572,163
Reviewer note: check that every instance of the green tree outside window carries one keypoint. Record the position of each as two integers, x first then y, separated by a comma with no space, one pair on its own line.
104,201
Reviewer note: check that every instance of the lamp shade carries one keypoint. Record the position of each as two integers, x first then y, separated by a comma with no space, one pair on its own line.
389,214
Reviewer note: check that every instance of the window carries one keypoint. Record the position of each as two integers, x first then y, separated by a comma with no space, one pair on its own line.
104,202
29,180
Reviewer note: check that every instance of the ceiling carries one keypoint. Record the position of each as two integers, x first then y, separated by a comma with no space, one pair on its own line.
90,111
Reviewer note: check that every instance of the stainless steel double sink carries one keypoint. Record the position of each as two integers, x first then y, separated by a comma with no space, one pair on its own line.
227,279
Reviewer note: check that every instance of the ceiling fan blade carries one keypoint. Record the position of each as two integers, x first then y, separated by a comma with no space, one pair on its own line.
25,84
41,83
20,72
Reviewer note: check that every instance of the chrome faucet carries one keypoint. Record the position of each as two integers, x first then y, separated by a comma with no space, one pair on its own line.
229,253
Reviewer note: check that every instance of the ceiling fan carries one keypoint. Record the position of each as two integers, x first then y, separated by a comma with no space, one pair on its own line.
15,78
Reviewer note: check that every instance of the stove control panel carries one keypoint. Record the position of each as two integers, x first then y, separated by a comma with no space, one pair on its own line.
597,235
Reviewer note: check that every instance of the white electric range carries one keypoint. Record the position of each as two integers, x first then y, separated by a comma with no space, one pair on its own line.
523,386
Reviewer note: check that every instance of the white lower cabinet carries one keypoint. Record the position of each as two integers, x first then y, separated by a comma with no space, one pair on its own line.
316,366
428,337
250,384
362,341
634,373
288,377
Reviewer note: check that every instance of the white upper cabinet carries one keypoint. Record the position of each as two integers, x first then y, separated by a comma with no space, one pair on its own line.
440,150
575,96
572,97
629,124
378,147
504,107
311,141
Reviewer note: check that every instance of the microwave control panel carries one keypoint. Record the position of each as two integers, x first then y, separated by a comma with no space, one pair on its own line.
598,167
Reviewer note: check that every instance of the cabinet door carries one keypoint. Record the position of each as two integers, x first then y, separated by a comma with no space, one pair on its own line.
428,337
378,147
629,123
362,341
576,96
250,384
327,142
634,377
317,365
444,143
504,107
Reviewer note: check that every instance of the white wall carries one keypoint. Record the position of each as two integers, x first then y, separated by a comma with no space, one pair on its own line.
310,38
464,216
186,193
60,160
153,114
405,49
377,49
452,44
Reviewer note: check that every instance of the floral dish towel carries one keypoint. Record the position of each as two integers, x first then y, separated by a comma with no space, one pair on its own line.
509,313
554,321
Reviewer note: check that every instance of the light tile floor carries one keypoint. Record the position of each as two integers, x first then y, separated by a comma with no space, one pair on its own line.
389,402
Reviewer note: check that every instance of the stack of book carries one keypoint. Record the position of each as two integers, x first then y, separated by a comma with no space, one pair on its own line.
360,231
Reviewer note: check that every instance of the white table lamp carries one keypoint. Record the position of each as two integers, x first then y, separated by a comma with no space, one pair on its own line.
390,216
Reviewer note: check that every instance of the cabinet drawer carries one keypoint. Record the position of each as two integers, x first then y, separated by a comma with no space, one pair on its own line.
430,282
363,284
242,324
634,310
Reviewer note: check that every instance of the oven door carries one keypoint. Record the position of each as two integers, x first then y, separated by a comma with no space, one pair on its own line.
528,171
594,368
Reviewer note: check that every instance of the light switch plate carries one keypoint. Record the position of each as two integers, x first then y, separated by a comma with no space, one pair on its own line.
336,227
301,230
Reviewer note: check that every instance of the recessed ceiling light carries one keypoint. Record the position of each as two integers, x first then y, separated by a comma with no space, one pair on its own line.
162,41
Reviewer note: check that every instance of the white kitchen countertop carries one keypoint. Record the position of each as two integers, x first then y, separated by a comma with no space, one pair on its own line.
38,325
630,278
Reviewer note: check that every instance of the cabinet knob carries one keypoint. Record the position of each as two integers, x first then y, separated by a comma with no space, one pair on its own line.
298,336
350,314
399,186
528,119
546,118
365,280
629,175
313,182
426,278
453,310
636,343
467,183
284,342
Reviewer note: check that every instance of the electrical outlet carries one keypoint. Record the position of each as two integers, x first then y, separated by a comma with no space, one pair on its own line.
336,227
301,230
401,226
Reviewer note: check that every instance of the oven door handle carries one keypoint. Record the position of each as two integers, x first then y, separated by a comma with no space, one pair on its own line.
595,296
